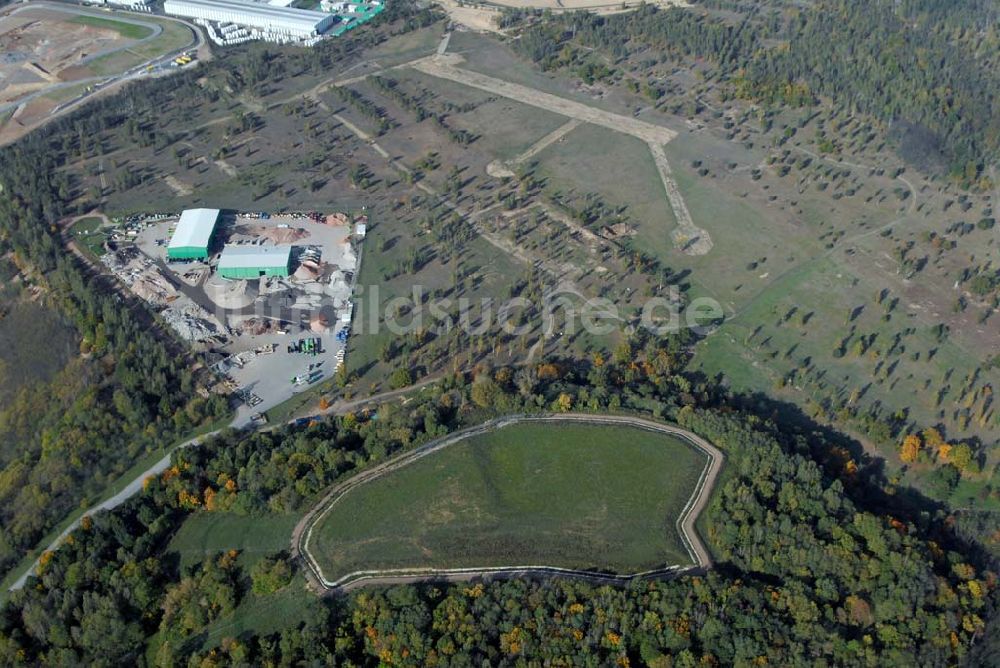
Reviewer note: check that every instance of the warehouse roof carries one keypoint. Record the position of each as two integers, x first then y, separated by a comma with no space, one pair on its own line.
194,228
287,16
251,257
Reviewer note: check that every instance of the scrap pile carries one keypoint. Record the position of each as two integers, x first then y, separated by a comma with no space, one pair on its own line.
141,275
191,322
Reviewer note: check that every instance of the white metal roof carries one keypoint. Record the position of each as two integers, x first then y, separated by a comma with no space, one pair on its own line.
249,257
257,14
194,228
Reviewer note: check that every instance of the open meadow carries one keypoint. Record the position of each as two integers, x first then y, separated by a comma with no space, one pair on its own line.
575,496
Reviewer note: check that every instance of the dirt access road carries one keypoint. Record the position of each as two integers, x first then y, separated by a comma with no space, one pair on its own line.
687,237
700,556
445,67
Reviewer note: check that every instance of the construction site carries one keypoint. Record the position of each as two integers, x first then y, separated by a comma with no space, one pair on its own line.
41,47
53,56
268,298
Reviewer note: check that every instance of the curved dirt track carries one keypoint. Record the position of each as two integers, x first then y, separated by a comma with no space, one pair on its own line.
696,549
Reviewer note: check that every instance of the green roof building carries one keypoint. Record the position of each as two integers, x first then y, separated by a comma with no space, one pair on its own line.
193,236
255,261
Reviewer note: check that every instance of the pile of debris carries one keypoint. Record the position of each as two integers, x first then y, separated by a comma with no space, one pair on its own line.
349,259
339,287
308,270
191,322
258,326
141,275
230,294
278,235
617,231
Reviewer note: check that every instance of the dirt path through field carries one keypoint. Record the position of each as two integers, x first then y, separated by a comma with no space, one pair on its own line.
687,237
501,169
444,67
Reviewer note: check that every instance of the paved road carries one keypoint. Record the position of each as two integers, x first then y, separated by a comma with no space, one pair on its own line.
156,31
104,84
135,486
700,556
126,492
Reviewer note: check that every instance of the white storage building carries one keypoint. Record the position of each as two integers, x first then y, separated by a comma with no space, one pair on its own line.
255,261
192,239
289,21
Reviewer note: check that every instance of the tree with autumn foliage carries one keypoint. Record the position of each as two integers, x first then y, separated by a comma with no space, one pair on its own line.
909,450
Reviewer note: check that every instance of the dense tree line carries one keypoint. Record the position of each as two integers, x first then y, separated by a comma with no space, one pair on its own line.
808,569
819,560
928,64
130,393
107,589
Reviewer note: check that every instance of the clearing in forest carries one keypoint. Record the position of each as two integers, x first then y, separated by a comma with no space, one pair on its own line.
571,495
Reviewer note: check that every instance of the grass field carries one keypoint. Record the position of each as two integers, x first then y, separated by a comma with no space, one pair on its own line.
415,44
128,30
205,534
35,344
775,346
618,167
86,233
496,270
262,615
568,495
174,36
254,616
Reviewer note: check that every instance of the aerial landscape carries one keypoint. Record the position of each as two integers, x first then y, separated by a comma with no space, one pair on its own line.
519,332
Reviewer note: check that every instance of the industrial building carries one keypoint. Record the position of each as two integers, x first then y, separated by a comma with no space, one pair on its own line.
255,261
297,23
131,5
193,236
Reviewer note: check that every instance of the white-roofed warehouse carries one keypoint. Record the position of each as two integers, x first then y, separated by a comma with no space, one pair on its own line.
255,261
282,20
193,235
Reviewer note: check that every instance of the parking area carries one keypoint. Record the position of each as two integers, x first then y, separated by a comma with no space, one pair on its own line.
271,335
274,367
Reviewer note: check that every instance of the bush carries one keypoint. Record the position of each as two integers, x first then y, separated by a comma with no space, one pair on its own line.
270,574
400,378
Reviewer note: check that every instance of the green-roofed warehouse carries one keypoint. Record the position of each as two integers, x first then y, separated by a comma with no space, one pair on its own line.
193,236
255,261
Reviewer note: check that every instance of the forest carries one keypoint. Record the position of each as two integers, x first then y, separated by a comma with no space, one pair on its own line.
927,65
812,564
128,393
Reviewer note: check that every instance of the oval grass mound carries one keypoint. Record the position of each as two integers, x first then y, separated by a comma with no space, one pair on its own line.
569,495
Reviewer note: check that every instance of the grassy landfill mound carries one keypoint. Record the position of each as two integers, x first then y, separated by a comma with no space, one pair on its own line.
128,30
575,496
